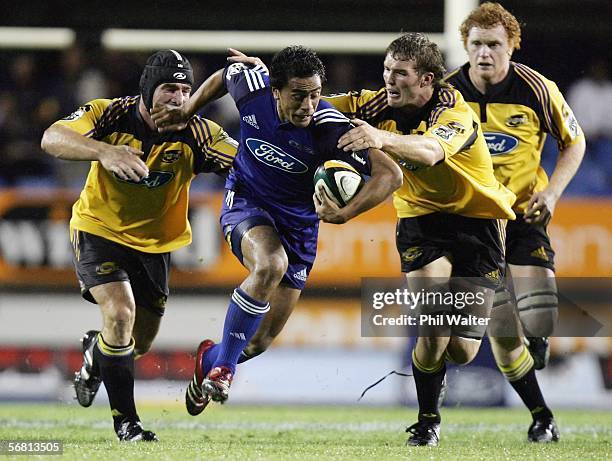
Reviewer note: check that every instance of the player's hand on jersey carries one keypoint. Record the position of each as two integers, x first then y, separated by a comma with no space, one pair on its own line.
239,56
124,162
168,117
363,136
540,208
326,209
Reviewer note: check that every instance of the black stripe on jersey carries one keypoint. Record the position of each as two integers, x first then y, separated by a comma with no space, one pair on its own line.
514,89
472,139
374,106
198,126
208,141
115,110
197,131
543,96
447,100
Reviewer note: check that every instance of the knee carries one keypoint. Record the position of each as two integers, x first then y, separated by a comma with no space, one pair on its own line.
121,318
461,356
271,270
429,350
434,343
462,352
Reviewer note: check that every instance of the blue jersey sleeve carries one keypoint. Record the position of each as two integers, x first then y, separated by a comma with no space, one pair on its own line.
243,81
330,125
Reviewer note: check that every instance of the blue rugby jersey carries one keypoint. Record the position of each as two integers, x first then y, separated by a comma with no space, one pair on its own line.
276,160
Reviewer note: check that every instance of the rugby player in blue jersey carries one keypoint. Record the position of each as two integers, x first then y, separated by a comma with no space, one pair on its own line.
268,215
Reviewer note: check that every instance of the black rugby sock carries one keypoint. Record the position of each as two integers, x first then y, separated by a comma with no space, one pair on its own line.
529,391
521,376
117,372
428,385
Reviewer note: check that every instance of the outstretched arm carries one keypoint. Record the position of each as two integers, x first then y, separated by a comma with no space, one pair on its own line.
416,149
173,118
67,144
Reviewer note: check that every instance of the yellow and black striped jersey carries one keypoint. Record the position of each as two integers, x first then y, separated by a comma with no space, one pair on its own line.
463,183
149,215
516,114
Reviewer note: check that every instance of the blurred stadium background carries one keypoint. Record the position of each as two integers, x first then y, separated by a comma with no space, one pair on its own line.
56,55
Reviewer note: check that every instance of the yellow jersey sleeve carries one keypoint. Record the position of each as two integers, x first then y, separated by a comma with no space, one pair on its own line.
565,127
452,125
558,118
86,118
217,149
362,104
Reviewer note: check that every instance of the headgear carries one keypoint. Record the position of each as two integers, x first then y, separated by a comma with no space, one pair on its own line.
165,66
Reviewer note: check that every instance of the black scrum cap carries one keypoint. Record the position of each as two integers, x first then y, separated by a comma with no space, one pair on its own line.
165,66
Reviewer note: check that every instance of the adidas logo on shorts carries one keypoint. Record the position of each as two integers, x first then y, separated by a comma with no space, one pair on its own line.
301,275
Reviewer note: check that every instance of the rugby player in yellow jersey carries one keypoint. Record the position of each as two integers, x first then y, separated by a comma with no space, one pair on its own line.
518,107
451,209
130,215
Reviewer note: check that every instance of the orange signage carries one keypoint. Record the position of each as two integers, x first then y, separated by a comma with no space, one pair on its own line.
35,248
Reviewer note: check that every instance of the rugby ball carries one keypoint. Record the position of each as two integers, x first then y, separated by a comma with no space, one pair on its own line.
339,181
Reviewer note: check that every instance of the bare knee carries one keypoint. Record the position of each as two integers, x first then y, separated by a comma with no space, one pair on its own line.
118,324
462,351
270,271
430,350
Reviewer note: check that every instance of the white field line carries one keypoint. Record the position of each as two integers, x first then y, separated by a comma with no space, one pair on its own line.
387,426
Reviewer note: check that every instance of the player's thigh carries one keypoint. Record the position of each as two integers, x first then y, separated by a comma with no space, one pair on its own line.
261,245
421,244
251,233
430,283
528,245
98,262
534,287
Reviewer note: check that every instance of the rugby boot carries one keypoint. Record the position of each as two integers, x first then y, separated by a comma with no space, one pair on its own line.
195,399
86,380
132,431
217,384
543,430
424,434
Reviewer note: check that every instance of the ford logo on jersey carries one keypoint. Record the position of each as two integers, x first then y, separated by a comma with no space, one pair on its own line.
499,143
154,180
273,156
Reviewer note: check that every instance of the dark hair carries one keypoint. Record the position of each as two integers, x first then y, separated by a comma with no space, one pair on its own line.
416,47
294,61
489,15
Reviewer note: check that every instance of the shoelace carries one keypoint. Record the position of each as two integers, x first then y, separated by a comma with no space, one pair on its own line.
394,372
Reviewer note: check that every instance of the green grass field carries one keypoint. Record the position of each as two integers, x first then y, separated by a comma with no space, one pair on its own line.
303,433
